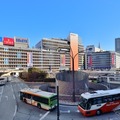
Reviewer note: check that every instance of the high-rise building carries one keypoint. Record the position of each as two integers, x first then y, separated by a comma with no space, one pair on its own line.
58,53
102,60
117,44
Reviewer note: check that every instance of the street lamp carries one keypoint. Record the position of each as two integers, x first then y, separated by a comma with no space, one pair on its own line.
57,88
73,75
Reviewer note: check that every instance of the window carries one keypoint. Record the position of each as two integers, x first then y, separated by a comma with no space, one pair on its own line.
109,98
99,100
105,99
41,99
53,98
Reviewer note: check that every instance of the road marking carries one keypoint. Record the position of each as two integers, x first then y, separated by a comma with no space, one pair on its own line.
40,115
13,96
1,94
15,111
78,111
6,97
67,111
19,86
44,115
11,88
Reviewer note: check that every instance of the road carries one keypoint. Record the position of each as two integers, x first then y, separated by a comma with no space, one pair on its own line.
12,108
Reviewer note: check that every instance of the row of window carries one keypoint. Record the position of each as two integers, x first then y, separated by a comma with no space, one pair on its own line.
104,99
36,98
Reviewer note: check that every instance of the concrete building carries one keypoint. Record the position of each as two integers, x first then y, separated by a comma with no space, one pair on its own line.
58,53
92,48
14,53
117,44
50,54
102,60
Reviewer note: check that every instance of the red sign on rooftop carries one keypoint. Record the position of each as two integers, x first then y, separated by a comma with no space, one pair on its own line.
8,41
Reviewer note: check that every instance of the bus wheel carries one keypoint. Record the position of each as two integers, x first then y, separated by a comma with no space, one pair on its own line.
98,112
39,106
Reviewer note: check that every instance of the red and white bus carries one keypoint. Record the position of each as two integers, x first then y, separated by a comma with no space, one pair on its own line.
98,102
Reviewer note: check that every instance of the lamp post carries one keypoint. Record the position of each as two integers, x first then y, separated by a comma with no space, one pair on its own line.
73,75
57,88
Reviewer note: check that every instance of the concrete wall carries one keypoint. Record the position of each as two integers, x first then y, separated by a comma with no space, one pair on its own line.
65,82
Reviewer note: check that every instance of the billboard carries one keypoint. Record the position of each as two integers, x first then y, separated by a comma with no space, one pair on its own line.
89,60
113,59
29,59
21,40
8,41
62,60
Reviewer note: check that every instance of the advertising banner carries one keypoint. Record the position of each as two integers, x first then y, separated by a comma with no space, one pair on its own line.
29,59
113,58
89,60
62,60
8,41
21,40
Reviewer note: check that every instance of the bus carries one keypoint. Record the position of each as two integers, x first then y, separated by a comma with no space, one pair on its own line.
98,102
39,98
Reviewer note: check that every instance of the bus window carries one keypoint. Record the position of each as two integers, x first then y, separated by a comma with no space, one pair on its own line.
105,99
99,100
53,98
40,99
94,101
83,102
89,104
109,98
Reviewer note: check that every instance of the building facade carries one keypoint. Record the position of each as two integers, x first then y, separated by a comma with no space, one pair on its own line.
58,53
102,60
50,54
117,44
15,53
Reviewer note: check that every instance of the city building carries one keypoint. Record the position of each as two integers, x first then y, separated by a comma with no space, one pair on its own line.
92,48
50,54
117,44
58,53
15,53
102,60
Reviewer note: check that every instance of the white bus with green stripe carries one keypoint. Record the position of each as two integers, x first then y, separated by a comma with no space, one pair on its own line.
39,98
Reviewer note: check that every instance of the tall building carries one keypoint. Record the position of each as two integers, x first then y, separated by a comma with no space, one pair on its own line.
92,48
102,60
58,53
49,55
14,53
117,44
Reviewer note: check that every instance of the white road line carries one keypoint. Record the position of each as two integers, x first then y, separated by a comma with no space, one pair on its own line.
13,96
67,111
1,93
44,115
19,86
6,97
15,111
11,88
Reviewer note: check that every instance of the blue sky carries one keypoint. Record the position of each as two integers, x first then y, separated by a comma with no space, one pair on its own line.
95,21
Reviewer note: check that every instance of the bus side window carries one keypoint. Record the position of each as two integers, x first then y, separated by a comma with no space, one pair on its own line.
117,97
94,101
89,104
99,100
27,96
109,98
114,97
105,99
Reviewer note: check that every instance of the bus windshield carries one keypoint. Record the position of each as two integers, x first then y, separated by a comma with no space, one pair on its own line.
83,102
